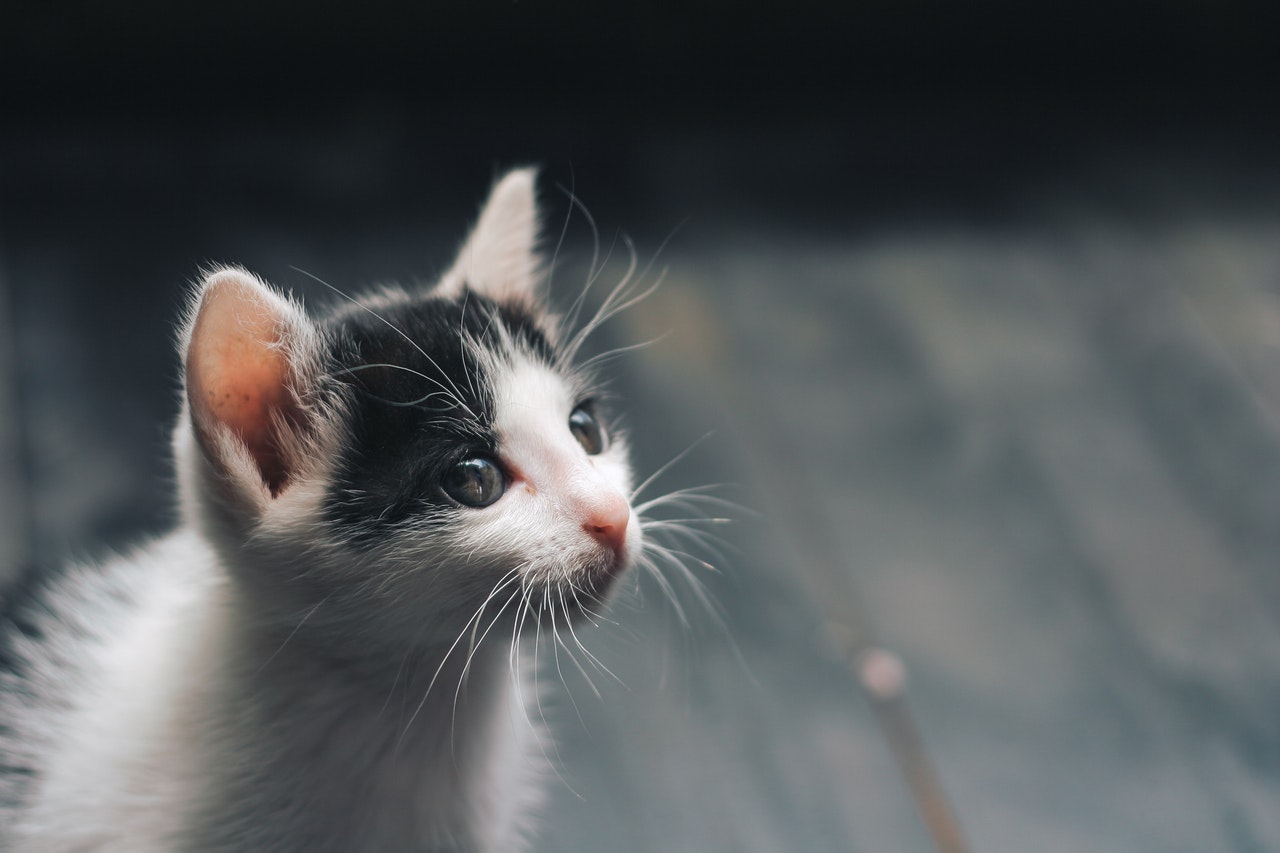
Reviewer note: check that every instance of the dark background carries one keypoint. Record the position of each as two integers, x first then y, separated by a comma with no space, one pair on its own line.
980,302
804,113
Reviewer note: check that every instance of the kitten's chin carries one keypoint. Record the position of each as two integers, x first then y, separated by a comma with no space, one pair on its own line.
588,592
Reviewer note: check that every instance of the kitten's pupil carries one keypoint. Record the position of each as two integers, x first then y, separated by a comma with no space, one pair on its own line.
476,482
587,430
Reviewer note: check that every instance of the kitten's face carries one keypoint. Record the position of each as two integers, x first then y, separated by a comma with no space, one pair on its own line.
471,448
413,464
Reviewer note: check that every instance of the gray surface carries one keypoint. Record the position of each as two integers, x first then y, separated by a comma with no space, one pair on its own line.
1049,459
1052,463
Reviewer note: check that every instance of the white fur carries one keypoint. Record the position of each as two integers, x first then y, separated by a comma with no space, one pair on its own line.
159,738
123,767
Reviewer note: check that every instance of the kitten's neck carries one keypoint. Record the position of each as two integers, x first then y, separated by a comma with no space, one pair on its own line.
401,754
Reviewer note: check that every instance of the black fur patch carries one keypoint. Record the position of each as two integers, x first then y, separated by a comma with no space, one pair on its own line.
422,402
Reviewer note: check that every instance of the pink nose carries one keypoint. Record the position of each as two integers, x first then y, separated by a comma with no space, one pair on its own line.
606,520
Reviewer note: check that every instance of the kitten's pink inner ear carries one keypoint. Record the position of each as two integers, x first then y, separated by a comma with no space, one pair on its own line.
238,372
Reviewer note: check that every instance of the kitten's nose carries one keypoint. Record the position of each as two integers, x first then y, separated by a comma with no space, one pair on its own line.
607,521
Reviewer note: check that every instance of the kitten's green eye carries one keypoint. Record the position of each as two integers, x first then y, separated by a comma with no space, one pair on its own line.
475,482
585,428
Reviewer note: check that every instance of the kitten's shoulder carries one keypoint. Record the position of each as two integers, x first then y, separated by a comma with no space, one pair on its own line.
54,621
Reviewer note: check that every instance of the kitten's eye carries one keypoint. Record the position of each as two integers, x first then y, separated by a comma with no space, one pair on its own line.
475,482
585,428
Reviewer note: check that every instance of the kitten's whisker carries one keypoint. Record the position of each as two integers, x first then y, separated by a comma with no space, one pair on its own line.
526,609
660,523
462,346
393,328
474,626
609,355
684,532
450,394
595,661
673,555
416,404
644,273
689,499
571,348
564,230
504,581
574,659
555,650
537,692
675,460
574,201
466,667
623,296
537,641
615,303
596,271
513,655
668,591
595,617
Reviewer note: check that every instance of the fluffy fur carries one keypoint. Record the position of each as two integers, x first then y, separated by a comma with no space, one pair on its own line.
324,655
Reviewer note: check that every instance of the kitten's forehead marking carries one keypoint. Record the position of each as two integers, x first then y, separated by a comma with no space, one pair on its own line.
532,404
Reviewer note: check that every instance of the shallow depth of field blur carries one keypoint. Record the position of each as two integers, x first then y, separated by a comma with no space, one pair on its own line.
973,315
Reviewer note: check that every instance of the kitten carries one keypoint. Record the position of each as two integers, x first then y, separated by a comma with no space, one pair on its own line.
323,656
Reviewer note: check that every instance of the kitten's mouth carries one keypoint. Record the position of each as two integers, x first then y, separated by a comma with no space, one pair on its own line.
588,591
600,580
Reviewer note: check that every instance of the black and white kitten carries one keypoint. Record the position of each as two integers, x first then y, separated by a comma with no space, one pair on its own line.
366,497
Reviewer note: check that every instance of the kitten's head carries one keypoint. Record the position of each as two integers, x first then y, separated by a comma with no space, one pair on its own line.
412,459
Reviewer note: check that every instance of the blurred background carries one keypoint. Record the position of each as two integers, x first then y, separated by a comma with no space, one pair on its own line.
979,305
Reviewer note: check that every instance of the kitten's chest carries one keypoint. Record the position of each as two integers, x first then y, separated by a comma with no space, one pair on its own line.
336,769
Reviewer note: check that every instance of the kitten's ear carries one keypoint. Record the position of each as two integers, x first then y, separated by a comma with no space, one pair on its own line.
248,355
499,259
